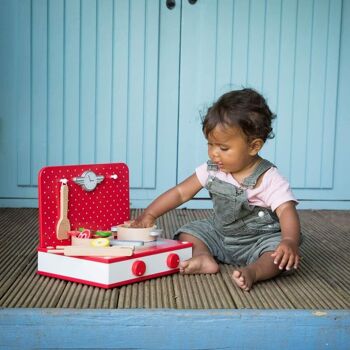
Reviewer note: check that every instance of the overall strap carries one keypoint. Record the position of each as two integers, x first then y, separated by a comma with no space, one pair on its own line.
211,166
250,181
212,169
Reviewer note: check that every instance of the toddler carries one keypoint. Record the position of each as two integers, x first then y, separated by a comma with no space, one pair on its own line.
255,225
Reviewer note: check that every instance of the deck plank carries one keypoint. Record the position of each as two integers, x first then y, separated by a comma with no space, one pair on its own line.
322,282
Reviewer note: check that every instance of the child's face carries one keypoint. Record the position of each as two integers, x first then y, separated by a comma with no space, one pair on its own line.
229,148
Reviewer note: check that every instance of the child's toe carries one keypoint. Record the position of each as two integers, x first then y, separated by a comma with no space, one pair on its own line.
237,275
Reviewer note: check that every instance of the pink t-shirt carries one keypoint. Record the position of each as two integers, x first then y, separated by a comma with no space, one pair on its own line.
273,191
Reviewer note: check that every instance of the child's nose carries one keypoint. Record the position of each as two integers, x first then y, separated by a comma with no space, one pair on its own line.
215,153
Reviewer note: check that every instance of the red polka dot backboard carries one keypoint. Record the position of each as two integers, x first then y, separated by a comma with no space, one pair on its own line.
98,208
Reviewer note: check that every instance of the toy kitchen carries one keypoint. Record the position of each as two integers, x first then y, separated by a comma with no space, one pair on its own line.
85,234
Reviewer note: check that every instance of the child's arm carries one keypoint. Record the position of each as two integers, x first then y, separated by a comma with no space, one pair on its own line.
286,255
170,199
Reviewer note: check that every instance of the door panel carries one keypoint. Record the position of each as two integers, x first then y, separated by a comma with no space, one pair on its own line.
92,88
288,50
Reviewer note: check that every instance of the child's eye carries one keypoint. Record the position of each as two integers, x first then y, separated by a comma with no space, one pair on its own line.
224,148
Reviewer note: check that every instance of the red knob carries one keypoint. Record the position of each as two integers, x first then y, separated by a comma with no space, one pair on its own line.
138,268
173,260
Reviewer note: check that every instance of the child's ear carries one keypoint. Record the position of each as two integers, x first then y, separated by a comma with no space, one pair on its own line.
255,146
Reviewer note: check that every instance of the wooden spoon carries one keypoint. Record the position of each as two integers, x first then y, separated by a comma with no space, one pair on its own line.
63,225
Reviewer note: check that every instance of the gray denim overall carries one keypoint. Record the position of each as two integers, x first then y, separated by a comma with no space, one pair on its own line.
237,233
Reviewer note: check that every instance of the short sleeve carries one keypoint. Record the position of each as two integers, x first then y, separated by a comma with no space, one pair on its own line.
276,189
202,174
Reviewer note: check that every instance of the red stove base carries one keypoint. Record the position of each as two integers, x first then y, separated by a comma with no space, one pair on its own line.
155,259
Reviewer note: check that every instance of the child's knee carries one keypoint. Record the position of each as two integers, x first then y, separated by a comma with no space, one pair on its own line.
182,236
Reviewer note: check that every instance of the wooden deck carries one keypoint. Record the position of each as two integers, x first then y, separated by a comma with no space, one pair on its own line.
322,282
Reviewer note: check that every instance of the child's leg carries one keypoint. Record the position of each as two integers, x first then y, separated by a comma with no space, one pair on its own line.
262,269
202,261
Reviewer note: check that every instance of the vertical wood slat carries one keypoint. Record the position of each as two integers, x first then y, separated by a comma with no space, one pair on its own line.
317,94
55,77
71,85
331,88
24,89
135,91
88,86
240,40
38,127
224,47
256,44
301,93
104,44
285,93
150,94
120,79
271,65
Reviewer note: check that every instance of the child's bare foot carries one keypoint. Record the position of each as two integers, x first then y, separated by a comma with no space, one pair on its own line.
203,263
244,278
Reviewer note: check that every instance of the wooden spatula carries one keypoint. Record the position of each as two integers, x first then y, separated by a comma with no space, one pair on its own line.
63,225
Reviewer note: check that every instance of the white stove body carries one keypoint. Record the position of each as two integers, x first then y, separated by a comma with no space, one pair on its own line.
162,258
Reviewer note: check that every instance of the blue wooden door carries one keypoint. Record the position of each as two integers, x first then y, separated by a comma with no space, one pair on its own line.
289,51
86,79
128,80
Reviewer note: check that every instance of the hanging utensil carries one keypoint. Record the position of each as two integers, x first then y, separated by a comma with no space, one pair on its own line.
63,225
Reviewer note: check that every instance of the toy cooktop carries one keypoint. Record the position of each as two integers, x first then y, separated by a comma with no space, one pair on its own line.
84,232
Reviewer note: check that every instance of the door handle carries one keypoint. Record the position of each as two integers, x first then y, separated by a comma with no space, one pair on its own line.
170,4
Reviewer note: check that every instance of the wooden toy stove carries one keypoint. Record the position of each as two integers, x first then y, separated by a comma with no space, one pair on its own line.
96,197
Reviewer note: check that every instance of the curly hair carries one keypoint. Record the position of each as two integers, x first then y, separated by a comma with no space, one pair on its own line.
244,108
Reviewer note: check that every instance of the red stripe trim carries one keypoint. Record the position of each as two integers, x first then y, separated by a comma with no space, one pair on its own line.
148,252
107,286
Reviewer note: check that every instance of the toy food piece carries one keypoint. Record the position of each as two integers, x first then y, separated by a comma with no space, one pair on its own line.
73,233
92,251
93,233
81,241
99,242
125,232
103,233
86,233
63,224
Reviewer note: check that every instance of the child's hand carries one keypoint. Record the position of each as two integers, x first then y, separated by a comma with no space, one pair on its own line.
144,220
286,255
